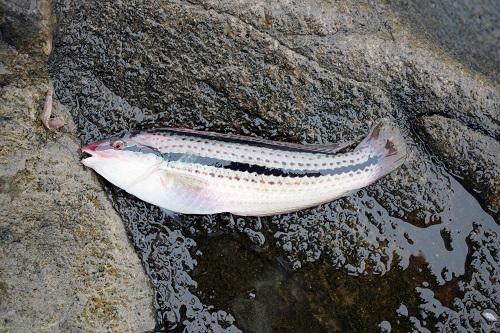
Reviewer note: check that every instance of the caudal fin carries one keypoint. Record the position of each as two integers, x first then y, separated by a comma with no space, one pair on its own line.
385,140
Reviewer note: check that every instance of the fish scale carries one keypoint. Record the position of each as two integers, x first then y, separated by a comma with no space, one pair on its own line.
168,143
197,172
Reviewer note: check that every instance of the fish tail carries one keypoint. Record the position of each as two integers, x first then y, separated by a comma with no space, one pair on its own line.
385,141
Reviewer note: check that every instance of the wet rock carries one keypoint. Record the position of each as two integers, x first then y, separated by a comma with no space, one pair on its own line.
385,326
65,261
490,316
470,155
298,72
167,255
468,30
362,58
27,25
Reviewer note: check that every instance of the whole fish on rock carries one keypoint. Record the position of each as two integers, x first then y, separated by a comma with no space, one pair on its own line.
195,172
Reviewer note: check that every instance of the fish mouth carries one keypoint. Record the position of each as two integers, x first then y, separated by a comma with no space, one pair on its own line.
89,153
87,158
95,153
90,148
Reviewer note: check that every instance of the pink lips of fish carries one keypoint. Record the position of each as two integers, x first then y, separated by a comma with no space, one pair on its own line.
94,151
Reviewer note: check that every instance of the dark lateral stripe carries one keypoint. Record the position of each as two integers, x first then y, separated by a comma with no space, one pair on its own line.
251,141
267,171
143,150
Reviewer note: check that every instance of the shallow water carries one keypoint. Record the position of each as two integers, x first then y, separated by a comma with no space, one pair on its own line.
412,252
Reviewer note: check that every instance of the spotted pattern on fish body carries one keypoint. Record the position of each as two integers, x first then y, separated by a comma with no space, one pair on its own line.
262,169
202,172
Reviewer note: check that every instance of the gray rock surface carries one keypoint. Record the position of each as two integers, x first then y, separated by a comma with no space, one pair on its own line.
467,30
27,24
301,72
468,154
66,264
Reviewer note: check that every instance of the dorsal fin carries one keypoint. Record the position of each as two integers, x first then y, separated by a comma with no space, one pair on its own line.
330,148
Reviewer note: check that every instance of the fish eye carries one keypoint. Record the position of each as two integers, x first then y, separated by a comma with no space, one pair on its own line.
118,144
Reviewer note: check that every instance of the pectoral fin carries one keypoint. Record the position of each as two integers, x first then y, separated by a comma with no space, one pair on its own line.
190,193
188,180
184,181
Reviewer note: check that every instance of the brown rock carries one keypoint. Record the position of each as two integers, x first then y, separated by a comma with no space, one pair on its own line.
65,261
468,154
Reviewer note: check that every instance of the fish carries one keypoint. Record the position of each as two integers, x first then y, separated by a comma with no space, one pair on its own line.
197,172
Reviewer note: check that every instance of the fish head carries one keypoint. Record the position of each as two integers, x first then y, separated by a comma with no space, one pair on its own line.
123,161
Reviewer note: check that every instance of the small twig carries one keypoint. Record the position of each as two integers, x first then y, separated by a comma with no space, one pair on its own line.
48,122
